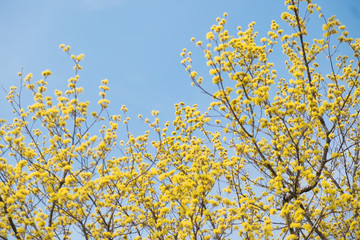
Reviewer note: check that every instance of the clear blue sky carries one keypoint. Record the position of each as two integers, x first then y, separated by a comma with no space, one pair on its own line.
134,43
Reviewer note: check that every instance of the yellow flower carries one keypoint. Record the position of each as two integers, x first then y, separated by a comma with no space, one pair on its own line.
272,211
46,73
210,36
80,57
105,81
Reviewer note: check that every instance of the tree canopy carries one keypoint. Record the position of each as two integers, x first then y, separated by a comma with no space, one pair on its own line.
275,156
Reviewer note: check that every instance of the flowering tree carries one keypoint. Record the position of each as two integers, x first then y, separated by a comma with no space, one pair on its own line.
276,155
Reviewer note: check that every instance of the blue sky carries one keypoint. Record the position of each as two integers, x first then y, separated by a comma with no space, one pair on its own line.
134,43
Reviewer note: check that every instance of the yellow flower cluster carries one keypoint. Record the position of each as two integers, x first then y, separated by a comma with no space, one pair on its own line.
276,155
290,134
